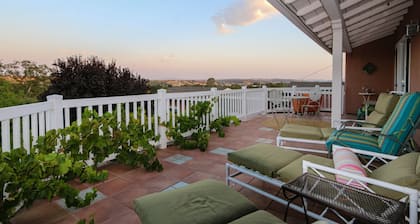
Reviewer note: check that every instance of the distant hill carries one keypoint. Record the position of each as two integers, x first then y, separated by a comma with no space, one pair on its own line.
24,68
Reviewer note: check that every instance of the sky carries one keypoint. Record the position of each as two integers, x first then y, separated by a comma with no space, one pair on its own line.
164,39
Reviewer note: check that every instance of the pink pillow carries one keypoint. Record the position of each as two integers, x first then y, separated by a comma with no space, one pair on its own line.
345,160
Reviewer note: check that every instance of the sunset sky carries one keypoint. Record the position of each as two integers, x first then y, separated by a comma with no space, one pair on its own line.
164,39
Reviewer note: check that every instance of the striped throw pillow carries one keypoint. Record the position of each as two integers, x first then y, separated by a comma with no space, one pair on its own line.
345,160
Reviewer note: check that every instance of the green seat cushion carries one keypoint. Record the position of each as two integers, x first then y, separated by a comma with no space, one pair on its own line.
402,171
258,217
326,132
294,169
264,158
203,202
386,103
301,131
375,120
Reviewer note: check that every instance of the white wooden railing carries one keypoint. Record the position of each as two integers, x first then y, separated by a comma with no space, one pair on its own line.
22,125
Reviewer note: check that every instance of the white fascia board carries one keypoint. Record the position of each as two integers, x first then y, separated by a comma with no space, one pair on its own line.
376,10
377,25
292,17
348,3
363,42
389,14
376,32
362,8
317,18
309,8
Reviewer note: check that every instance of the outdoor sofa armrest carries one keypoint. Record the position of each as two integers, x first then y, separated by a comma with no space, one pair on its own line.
413,194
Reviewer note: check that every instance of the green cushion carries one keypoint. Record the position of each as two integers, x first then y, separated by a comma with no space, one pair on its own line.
326,132
401,171
375,119
385,103
264,158
301,131
260,217
294,169
203,202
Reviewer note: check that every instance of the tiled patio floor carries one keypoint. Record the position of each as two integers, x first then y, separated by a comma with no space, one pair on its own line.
180,167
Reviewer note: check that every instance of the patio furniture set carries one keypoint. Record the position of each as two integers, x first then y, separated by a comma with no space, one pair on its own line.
372,176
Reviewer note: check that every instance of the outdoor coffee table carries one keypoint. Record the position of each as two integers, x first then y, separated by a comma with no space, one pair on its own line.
358,203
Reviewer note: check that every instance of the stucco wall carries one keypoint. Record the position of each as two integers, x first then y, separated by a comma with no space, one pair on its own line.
381,54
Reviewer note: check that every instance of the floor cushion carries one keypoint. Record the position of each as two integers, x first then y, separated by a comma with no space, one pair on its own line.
294,169
264,158
258,217
204,202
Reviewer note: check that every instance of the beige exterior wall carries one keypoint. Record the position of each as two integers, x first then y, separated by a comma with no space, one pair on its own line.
381,53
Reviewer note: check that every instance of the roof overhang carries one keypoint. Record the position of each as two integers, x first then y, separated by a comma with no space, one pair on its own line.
363,21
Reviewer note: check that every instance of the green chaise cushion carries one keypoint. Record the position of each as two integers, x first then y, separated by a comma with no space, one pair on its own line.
264,158
404,171
383,108
301,131
258,217
203,202
294,169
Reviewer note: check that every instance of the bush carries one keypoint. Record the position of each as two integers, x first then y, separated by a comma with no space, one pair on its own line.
81,78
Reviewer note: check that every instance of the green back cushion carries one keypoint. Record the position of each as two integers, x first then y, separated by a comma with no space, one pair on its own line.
383,108
404,171
260,217
386,103
400,123
264,158
203,202
294,169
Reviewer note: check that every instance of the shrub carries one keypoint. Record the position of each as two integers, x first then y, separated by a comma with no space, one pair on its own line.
80,78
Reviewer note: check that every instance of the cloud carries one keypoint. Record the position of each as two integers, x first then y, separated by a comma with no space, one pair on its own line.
167,59
242,13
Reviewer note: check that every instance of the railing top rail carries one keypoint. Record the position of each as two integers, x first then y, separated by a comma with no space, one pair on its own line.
188,94
107,100
227,91
23,110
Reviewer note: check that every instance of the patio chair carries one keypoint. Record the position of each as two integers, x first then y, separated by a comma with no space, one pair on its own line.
385,105
313,105
398,178
394,136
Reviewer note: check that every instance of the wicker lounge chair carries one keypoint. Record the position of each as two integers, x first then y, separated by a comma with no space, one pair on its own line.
399,128
399,179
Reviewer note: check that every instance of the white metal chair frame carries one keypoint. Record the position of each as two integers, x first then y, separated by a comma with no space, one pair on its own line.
233,170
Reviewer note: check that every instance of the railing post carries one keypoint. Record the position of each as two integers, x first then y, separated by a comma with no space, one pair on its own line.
55,115
244,103
161,102
265,90
215,101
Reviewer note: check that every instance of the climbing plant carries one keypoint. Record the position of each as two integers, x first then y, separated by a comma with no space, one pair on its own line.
190,130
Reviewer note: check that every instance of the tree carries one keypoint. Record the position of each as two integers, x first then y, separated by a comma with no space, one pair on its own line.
92,77
211,82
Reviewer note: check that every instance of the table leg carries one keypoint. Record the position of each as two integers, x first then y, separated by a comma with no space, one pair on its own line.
289,200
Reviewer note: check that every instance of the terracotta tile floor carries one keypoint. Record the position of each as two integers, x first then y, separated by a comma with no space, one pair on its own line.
125,184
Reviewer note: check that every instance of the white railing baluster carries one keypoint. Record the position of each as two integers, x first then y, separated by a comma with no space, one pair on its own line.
79,115
156,116
149,114
41,123
100,110
135,110
16,133
34,128
110,108
119,112
5,135
127,113
26,133
66,117
142,110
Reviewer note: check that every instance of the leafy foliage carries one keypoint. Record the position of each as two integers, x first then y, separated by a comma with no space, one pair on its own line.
28,177
194,124
64,154
19,90
92,77
220,123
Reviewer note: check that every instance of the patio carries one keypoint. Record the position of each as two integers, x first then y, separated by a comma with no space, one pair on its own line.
180,167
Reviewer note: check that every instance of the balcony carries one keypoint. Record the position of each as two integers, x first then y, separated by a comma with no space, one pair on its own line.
22,125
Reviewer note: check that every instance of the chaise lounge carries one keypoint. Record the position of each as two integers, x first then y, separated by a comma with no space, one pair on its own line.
399,179
392,138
